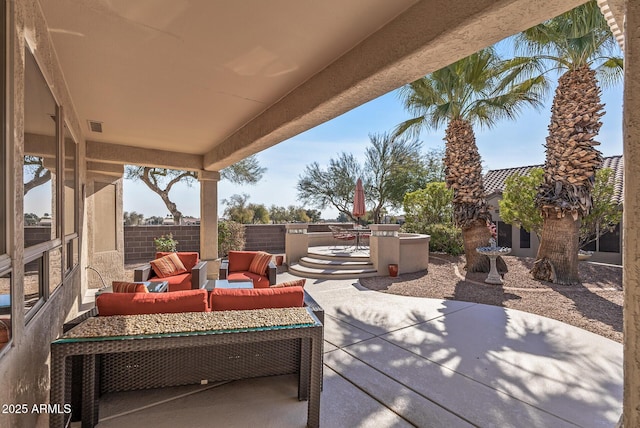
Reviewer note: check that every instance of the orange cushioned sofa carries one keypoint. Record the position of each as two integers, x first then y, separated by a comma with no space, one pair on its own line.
220,299
109,304
192,277
242,265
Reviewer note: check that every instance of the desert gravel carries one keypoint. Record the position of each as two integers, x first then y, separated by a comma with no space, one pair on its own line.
595,305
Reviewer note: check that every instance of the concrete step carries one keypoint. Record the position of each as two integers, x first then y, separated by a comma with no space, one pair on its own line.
340,256
329,272
335,263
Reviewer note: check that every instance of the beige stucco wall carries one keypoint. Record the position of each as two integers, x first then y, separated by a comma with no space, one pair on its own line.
24,366
631,217
105,229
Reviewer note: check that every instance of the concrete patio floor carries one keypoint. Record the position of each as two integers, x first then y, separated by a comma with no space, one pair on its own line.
394,361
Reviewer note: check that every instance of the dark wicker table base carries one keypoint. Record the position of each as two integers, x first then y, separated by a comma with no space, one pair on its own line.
152,362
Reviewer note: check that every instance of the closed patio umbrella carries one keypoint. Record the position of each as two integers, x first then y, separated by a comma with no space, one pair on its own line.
358,201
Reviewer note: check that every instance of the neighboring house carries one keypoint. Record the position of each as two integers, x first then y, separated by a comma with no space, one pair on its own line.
607,249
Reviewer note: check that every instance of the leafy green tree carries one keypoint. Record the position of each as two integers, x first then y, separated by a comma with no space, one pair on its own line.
517,206
476,91
393,166
314,215
162,180
331,187
605,214
133,218
155,220
429,211
434,166
342,218
297,214
237,209
580,44
260,213
428,206
31,219
278,214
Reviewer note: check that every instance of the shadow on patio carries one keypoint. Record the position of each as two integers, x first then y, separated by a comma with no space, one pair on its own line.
395,361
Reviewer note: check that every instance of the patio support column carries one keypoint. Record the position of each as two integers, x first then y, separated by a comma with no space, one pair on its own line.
384,247
209,220
631,216
296,242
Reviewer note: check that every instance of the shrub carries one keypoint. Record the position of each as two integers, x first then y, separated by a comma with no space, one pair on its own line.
445,238
166,243
230,237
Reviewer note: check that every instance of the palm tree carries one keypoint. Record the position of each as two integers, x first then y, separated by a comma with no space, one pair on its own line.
579,43
477,90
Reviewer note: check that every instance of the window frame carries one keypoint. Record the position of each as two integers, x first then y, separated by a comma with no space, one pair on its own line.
6,267
70,239
42,250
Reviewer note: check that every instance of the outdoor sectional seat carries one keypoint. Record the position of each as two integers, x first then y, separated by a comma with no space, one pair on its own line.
238,267
166,367
194,278
109,304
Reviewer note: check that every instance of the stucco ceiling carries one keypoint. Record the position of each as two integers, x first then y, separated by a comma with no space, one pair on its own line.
161,72
223,79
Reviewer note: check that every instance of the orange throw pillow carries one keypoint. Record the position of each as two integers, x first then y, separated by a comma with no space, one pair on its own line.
168,265
259,263
294,283
128,287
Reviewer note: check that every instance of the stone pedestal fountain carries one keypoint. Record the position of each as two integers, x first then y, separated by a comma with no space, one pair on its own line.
493,251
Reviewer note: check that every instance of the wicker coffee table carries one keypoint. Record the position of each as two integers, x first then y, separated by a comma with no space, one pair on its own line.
301,343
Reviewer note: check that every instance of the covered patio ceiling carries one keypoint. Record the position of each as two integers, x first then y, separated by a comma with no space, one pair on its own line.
200,84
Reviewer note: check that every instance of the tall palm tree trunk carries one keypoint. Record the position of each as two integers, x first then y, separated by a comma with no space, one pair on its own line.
559,243
570,167
463,172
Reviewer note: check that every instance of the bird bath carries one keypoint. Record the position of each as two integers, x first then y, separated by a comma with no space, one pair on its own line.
493,252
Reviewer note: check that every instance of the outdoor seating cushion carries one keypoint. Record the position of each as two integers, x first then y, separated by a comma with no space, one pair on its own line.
239,261
168,265
259,281
238,299
128,287
179,282
294,283
152,303
188,258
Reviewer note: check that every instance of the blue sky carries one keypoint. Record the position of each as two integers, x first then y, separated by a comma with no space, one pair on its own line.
509,144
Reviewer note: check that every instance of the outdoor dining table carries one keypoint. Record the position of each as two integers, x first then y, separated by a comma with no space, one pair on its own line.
359,232
99,336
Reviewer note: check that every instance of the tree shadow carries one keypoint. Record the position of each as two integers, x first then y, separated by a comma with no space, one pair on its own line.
484,365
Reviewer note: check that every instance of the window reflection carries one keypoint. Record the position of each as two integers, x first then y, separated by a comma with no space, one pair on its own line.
55,268
5,309
40,156
33,282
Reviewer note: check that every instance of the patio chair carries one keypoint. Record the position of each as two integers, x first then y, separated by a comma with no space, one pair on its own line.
190,273
340,234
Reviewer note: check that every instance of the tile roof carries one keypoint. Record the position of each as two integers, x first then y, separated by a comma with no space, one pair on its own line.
495,178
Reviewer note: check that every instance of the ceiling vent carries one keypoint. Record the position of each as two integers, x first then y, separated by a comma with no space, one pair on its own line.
95,126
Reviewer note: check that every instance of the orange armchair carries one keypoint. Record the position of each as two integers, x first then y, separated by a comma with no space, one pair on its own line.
238,267
194,278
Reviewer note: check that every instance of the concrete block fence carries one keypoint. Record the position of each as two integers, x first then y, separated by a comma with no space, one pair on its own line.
138,240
